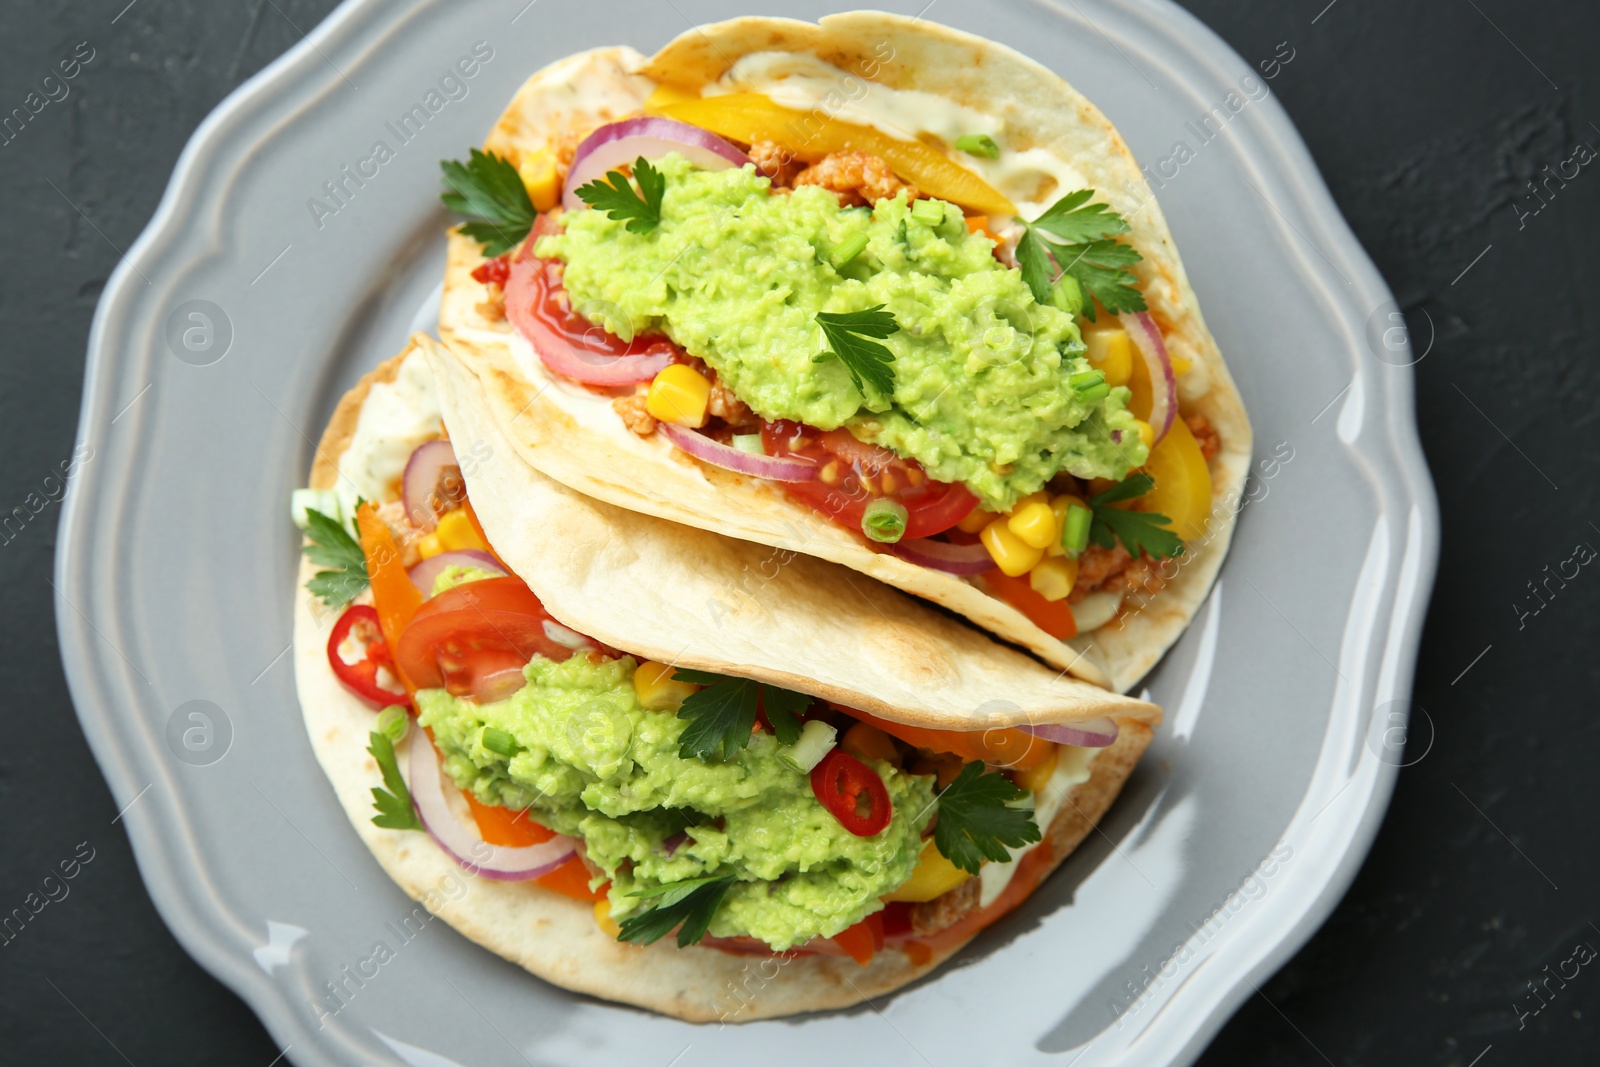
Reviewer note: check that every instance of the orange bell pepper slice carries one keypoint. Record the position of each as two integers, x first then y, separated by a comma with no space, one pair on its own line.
863,940
808,136
513,829
394,595
1003,745
1054,617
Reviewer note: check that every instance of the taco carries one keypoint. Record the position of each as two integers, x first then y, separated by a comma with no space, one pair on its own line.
873,290
710,836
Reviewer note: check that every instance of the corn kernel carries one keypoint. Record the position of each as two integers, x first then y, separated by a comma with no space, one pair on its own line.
1054,578
603,919
865,741
1180,365
1035,523
975,521
934,876
1037,777
1111,353
1147,433
1014,556
656,689
456,532
679,394
428,546
539,176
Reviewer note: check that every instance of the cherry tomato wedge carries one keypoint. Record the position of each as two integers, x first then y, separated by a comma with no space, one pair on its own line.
361,676
852,792
852,474
1054,617
476,638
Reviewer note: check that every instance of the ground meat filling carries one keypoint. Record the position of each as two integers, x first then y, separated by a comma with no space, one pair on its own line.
945,910
776,162
858,179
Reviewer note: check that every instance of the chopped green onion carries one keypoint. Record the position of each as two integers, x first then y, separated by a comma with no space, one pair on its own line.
1067,295
749,442
393,723
1090,385
929,211
815,741
978,144
499,742
884,520
1075,530
848,249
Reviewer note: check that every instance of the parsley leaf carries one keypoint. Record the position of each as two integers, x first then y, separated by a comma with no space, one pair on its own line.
394,804
688,905
332,547
975,821
867,361
782,706
488,189
618,200
1079,239
1076,221
1139,531
721,715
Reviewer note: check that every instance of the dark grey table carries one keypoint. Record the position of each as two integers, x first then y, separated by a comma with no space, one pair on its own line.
1429,118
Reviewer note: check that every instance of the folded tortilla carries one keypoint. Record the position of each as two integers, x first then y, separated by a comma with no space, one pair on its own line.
573,435
621,577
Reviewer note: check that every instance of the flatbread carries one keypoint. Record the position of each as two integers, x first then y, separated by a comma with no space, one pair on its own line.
556,937
574,436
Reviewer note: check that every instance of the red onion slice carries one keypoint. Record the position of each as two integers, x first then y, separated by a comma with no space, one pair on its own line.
424,573
961,560
772,468
558,354
1163,383
1092,733
623,142
500,863
420,488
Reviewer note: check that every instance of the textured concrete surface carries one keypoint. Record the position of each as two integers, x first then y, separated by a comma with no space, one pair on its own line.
1428,119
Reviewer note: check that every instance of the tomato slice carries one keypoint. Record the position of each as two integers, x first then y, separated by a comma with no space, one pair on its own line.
476,638
853,473
361,677
1054,617
852,792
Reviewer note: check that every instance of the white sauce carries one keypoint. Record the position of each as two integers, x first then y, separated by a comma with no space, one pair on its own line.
1072,769
806,83
397,417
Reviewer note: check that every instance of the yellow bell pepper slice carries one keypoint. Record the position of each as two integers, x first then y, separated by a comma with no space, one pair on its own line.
752,117
1182,490
934,876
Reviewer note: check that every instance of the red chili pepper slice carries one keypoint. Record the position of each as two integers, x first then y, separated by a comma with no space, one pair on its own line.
852,792
361,677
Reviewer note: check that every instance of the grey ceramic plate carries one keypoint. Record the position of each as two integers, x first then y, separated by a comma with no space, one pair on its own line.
224,339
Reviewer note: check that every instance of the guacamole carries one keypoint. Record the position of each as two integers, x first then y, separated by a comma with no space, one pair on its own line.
595,764
736,275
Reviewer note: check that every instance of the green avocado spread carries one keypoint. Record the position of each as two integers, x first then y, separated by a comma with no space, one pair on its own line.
593,763
736,275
